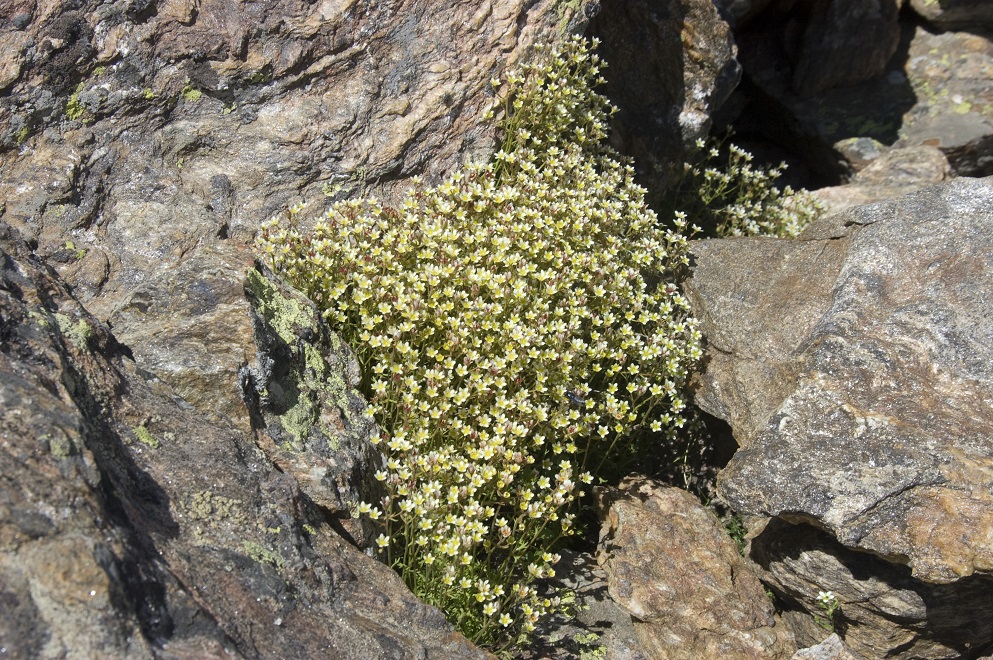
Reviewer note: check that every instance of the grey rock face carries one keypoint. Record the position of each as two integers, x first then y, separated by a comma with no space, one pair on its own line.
883,610
861,396
832,648
132,525
142,132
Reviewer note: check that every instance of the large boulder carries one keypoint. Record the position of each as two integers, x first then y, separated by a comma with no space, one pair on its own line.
854,366
132,525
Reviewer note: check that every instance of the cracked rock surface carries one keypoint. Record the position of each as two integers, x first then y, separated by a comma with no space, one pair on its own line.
855,367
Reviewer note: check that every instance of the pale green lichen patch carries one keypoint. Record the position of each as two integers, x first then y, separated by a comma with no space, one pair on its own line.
79,333
205,510
566,9
145,437
261,554
60,445
284,315
191,94
206,506
314,395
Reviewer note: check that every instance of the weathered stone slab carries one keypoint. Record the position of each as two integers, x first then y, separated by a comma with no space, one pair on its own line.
856,369
671,565
893,173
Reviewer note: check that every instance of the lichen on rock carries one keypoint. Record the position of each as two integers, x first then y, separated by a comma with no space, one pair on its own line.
301,390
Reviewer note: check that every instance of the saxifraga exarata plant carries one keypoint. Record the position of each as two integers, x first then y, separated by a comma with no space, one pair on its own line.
515,325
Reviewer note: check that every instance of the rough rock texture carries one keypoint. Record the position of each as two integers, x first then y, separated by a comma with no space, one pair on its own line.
132,525
845,42
832,648
300,387
884,611
670,66
599,628
671,565
934,91
141,132
893,173
855,370
965,15
950,76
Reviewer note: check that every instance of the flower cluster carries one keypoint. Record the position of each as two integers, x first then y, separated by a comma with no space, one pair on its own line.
740,199
515,324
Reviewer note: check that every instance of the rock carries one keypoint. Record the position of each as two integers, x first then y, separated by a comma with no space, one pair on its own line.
934,91
670,67
950,75
894,173
738,13
193,329
854,369
132,525
845,42
674,569
301,387
832,648
883,611
967,15
598,629
148,135
858,152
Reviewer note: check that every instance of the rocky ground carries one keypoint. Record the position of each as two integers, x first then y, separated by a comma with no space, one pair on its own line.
177,469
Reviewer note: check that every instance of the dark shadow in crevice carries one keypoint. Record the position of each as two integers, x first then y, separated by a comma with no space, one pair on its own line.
801,560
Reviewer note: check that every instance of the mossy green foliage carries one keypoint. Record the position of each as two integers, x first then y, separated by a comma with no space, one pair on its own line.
312,385
145,437
736,529
518,325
